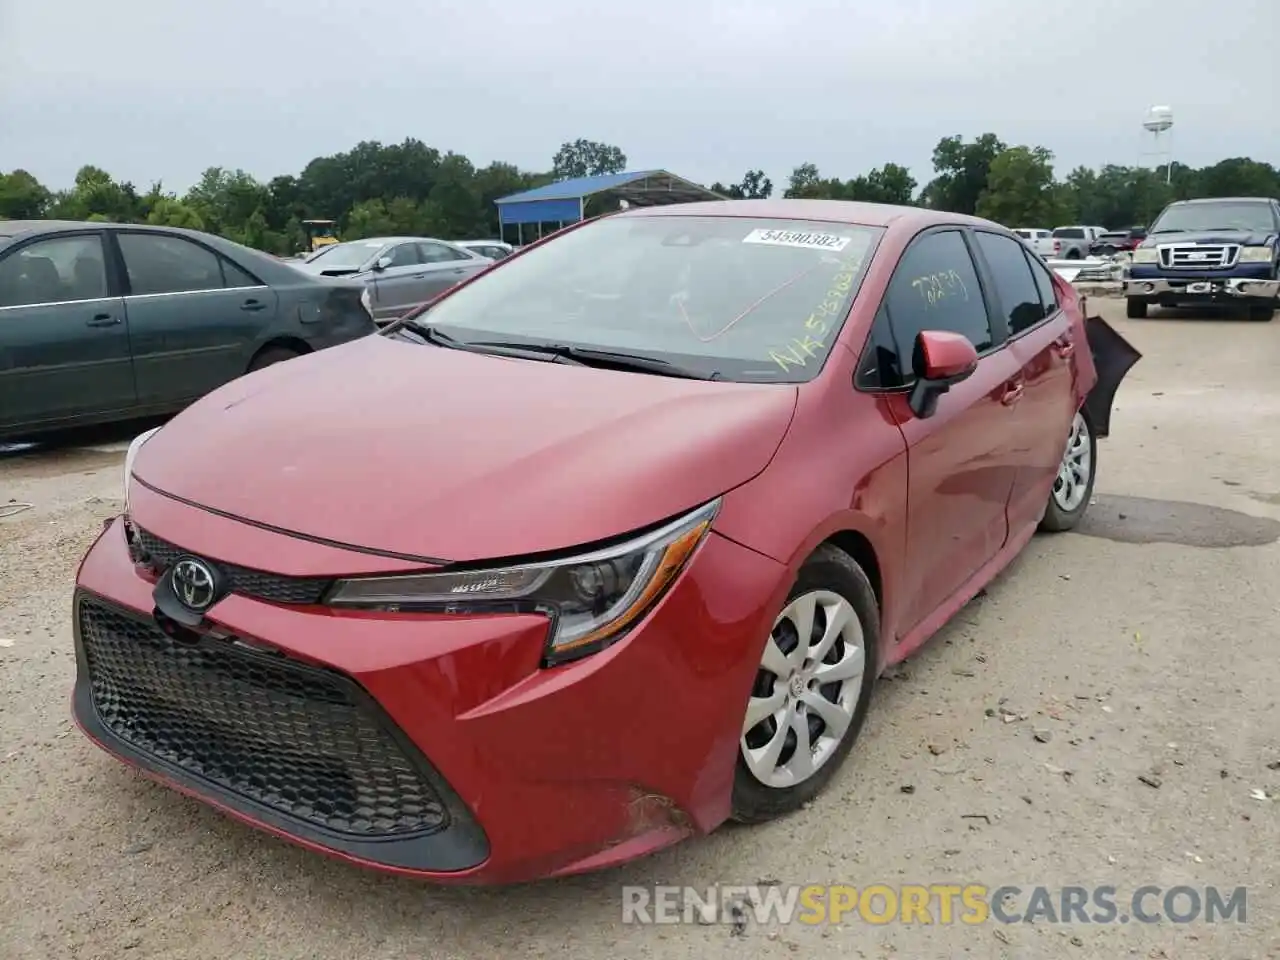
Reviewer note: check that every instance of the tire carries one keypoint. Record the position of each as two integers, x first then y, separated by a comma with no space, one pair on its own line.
270,355
1073,254
1135,308
1108,251
835,584
1073,487
1262,312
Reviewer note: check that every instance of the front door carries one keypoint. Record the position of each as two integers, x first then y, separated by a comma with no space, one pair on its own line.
1040,339
960,470
195,318
64,336
401,284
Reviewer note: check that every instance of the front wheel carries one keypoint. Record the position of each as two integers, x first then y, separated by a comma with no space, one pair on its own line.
1073,487
1135,308
811,690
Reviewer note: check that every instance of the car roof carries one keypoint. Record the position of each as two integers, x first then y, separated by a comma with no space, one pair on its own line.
833,211
1201,200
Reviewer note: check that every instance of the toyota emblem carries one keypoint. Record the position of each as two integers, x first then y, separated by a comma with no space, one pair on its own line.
194,584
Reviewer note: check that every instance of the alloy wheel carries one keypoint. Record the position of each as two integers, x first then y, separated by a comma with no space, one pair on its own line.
806,691
1072,483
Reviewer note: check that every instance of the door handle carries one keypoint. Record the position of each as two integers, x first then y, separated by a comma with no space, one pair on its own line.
1064,347
419,276
1012,393
102,320
253,305
459,270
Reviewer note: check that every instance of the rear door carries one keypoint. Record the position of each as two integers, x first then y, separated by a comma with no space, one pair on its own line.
195,318
64,336
447,266
1040,341
959,460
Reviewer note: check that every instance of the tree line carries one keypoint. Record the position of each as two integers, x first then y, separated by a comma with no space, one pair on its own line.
413,189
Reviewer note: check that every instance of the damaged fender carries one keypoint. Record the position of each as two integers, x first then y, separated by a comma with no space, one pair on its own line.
1113,358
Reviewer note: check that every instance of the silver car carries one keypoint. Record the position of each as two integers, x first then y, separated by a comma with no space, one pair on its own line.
400,272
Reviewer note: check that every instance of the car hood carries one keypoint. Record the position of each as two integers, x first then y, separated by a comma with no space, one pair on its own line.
1246,238
447,455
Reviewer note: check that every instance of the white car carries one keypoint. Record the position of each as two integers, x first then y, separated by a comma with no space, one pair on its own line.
1039,240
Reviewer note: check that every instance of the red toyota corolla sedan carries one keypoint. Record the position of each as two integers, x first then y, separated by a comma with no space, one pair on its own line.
600,549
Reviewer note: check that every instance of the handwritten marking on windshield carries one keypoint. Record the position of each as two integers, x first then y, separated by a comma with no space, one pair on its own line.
818,322
936,287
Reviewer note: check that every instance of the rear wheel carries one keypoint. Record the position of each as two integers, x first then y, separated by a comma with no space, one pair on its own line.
270,355
1073,254
811,691
1108,251
1135,308
1073,487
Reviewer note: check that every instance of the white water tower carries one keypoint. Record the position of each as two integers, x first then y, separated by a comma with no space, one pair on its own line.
1158,138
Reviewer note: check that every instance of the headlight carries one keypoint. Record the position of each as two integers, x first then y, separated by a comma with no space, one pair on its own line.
129,457
366,301
1256,254
1145,255
592,599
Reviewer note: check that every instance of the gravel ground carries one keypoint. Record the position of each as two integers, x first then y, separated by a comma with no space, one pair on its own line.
1102,715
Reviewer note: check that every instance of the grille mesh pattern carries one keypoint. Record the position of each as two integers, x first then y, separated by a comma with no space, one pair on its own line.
253,583
298,739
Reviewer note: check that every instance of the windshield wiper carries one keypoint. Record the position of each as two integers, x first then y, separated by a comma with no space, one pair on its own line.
608,359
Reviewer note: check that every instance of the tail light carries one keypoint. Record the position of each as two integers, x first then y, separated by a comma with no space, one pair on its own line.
1057,246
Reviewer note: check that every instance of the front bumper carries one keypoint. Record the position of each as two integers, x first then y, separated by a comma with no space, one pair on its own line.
429,745
1226,289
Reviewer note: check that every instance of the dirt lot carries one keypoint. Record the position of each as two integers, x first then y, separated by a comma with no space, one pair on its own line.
1142,650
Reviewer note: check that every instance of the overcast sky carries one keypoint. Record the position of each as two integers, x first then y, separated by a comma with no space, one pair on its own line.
161,89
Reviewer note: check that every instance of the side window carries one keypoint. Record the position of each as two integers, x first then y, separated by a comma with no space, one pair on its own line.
439,253
1015,285
936,288
233,276
58,270
157,263
404,255
1044,285
881,365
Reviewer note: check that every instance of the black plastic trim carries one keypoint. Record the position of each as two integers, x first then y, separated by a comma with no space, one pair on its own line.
460,845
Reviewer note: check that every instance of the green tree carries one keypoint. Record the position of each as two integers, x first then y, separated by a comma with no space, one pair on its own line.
888,184
1020,189
805,182
961,170
587,158
22,196
172,212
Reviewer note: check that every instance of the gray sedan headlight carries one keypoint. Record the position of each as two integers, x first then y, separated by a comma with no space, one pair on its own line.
592,599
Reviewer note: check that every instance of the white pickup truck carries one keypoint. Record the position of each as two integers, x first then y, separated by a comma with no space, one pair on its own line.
1039,240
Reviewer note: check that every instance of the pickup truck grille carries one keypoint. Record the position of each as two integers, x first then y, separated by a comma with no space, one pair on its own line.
1191,256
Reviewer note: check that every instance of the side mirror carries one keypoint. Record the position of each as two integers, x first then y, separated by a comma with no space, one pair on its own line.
939,360
382,263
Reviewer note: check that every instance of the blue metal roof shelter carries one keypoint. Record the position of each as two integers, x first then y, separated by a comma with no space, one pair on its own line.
565,200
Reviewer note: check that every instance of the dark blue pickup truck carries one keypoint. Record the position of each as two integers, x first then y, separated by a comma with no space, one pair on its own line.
1221,250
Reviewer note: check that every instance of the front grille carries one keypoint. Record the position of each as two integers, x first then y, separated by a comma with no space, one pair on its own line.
303,741
1192,256
160,555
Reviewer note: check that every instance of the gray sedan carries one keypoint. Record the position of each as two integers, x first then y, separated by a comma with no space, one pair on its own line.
400,272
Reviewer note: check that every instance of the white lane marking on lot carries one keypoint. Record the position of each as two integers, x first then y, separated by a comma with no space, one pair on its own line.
120,447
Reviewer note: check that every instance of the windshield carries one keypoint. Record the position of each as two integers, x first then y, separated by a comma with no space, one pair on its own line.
748,299
351,254
1253,217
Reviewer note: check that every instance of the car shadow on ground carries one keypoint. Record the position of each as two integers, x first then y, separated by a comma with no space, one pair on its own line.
107,435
